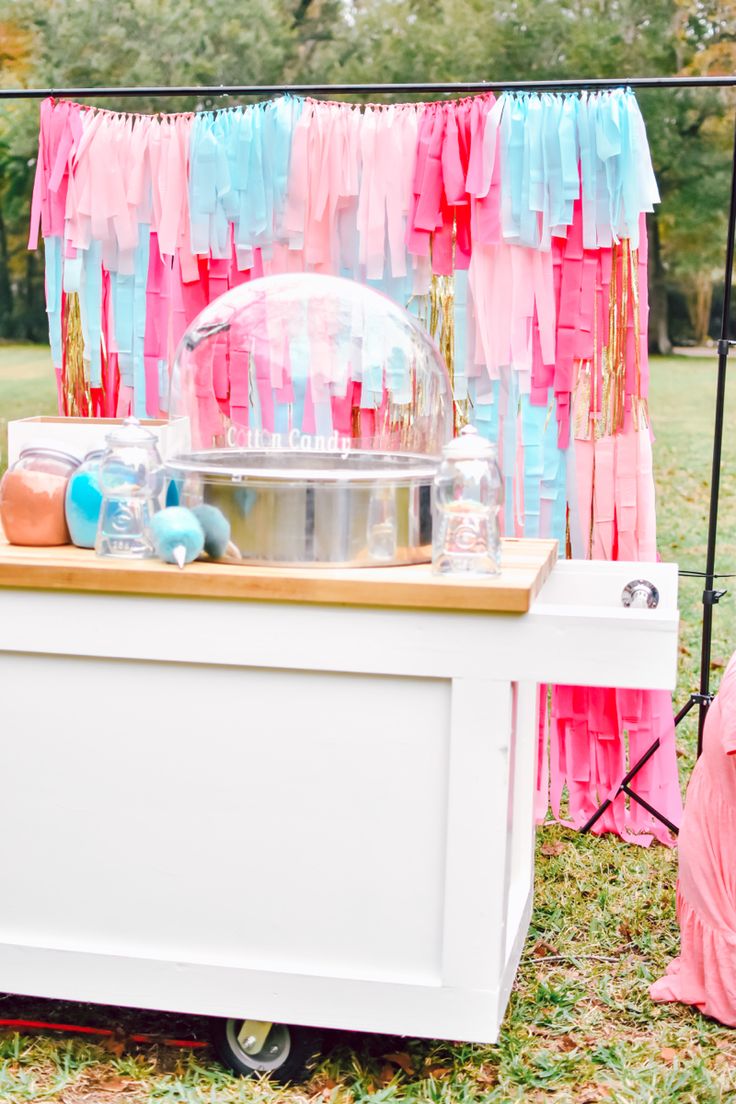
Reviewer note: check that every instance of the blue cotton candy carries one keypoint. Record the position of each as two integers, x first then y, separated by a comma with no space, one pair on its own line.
216,529
173,529
83,503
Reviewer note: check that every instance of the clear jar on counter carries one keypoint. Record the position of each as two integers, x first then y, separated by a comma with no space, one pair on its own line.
132,482
32,494
466,501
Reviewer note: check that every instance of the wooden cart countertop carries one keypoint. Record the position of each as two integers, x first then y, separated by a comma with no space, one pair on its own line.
526,566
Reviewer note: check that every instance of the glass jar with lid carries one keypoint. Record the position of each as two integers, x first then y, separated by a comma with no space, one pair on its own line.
131,480
466,501
32,495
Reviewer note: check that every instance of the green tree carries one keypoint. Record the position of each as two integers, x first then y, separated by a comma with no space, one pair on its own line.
16,267
417,40
92,43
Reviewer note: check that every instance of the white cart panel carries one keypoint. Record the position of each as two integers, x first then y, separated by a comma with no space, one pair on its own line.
247,818
284,808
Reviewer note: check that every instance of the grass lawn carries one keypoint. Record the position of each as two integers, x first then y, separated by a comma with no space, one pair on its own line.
27,387
580,1027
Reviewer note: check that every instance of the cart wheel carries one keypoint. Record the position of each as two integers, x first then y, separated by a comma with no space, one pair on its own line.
249,1047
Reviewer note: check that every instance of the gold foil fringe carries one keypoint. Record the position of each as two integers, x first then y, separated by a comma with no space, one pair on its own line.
77,401
442,318
595,414
442,329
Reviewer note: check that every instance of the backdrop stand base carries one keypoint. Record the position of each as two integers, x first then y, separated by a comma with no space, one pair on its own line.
625,787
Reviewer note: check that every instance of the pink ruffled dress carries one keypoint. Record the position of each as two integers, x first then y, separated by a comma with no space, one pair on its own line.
704,973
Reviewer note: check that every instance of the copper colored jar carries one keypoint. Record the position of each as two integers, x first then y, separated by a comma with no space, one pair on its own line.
32,496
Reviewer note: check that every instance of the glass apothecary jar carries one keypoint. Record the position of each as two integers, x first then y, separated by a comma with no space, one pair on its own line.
466,501
32,495
131,477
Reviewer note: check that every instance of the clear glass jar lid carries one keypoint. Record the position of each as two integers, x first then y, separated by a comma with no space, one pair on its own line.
130,434
469,445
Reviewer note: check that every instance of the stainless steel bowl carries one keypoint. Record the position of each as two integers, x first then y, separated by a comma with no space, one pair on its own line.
299,507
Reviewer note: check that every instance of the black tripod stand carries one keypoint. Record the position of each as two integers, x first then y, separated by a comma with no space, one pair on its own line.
711,596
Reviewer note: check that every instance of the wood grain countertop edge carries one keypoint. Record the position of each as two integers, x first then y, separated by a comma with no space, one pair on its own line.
526,566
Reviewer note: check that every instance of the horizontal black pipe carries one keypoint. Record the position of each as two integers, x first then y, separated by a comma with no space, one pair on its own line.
455,88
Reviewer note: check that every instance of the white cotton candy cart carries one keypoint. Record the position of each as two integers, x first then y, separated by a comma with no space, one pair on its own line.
285,798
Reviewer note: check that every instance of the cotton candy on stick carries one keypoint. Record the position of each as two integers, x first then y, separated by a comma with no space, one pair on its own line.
216,529
178,537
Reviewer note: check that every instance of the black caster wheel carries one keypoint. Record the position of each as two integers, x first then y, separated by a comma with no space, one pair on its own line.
251,1048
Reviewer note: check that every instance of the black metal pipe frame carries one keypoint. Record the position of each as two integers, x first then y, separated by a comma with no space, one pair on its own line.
710,596
453,88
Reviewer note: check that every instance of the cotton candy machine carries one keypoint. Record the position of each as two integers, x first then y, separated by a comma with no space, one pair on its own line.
318,410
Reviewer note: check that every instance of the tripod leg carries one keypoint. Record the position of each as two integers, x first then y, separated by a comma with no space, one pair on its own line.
596,816
685,709
623,787
650,809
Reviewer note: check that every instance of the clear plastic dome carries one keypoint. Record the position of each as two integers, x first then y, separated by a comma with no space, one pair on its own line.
318,412
304,361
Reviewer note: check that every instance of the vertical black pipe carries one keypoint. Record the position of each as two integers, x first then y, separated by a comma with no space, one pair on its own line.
715,479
